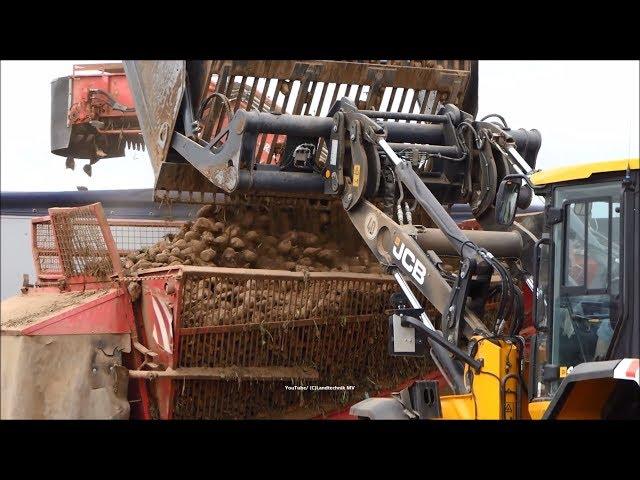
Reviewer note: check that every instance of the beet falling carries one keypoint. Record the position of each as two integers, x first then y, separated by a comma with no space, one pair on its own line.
250,241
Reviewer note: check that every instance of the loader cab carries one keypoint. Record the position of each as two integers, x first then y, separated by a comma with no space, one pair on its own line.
585,309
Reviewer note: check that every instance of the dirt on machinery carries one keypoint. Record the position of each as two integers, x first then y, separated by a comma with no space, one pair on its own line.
22,310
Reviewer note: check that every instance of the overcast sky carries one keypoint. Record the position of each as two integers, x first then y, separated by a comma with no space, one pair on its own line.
585,110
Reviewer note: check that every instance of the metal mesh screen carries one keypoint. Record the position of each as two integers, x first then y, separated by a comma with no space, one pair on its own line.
224,299
134,235
334,323
129,236
80,241
50,264
44,236
45,255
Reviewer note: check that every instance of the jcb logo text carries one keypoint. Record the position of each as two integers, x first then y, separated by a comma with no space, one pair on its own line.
415,267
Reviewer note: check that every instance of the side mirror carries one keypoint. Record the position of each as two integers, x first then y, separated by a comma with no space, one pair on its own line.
507,201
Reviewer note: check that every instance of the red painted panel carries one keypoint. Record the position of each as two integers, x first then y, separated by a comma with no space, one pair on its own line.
110,313
159,319
83,109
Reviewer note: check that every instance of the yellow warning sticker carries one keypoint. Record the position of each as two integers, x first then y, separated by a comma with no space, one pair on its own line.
508,411
563,372
356,175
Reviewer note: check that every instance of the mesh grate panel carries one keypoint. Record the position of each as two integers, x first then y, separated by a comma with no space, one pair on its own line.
129,235
344,354
49,263
226,299
135,236
80,241
335,324
44,236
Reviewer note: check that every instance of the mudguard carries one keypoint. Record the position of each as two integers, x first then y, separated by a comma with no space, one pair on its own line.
598,390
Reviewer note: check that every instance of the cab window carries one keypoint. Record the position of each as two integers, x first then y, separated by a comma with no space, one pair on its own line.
587,253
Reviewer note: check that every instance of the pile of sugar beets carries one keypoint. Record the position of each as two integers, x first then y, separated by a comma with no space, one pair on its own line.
249,241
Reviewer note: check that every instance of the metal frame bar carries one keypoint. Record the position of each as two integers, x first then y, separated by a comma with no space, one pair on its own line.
229,373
